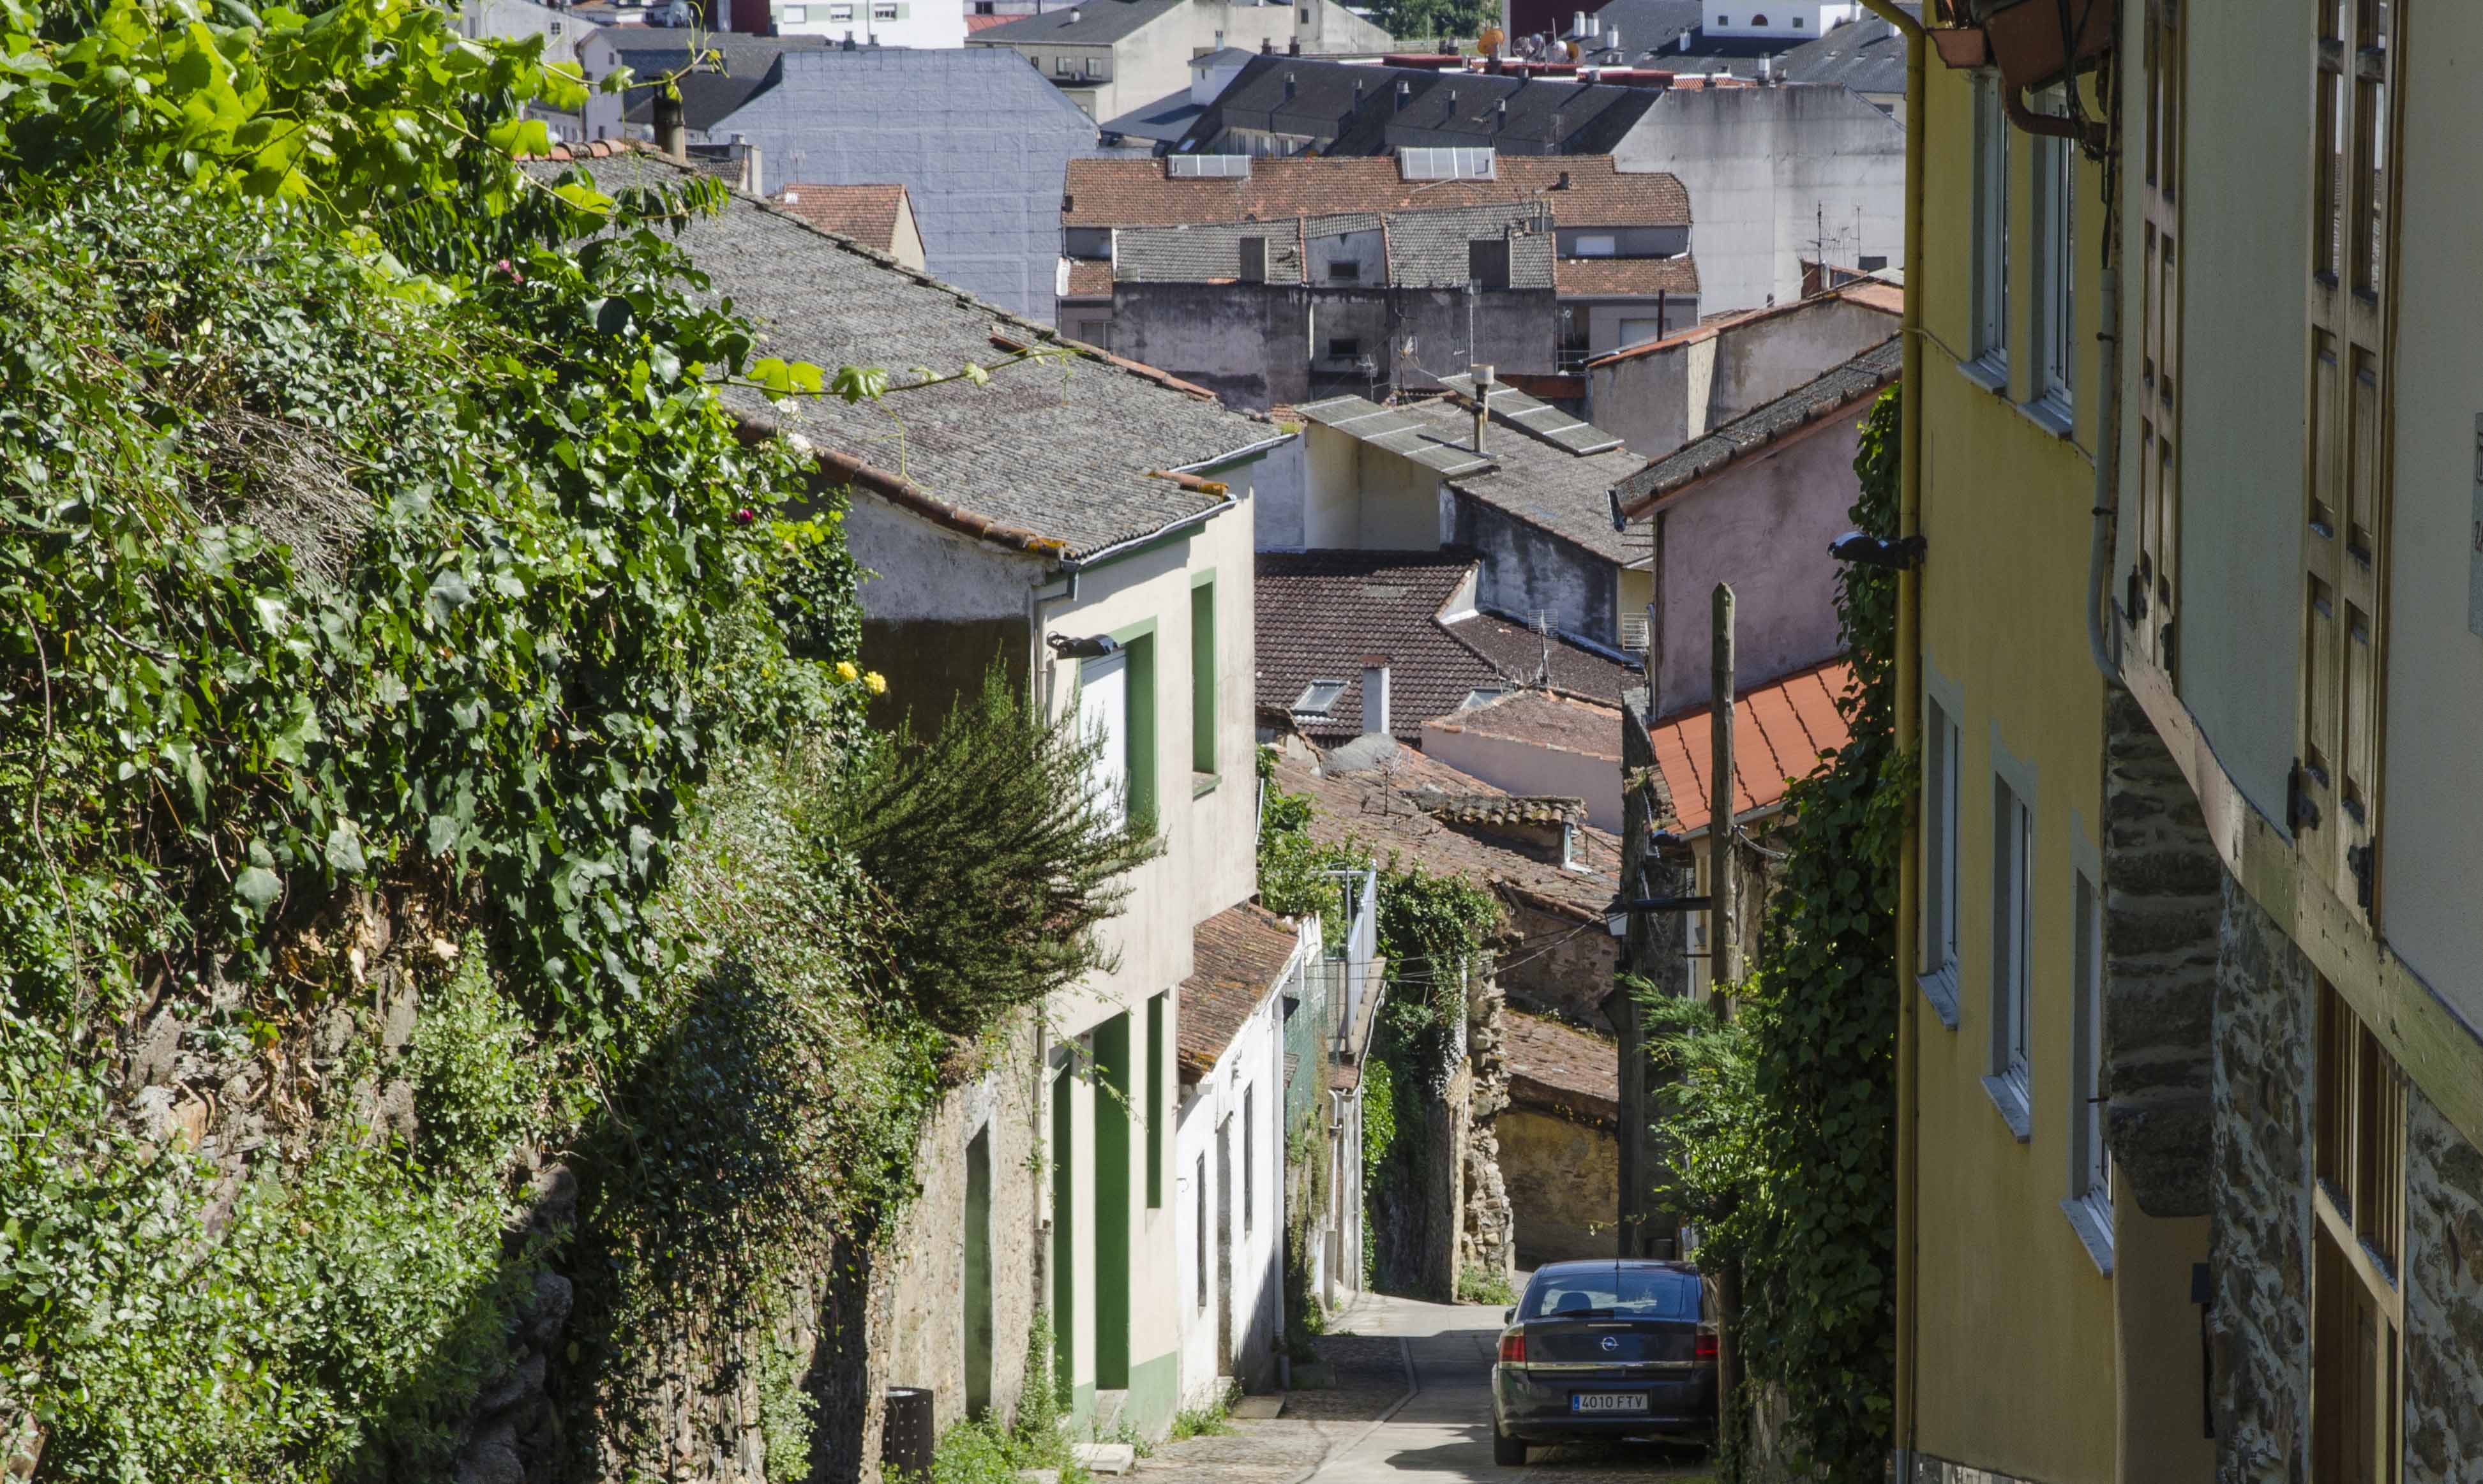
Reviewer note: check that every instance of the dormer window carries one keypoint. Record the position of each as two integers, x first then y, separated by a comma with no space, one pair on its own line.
1572,856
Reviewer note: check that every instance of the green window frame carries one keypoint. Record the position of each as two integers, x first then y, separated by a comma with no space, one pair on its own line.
1139,763
1202,677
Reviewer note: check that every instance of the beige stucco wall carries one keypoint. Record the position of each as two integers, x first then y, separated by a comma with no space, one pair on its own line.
1361,497
1520,766
1563,1183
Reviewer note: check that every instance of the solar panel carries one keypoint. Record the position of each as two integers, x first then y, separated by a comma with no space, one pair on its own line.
1207,167
1395,432
1542,419
1442,164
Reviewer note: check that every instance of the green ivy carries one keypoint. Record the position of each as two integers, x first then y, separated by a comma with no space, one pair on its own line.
1782,1127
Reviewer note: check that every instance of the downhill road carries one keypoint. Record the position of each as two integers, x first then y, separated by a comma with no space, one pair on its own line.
1382,1424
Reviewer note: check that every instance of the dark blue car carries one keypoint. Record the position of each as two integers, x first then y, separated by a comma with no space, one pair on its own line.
1605,1349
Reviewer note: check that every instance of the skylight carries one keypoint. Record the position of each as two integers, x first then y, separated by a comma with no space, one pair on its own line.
1318,697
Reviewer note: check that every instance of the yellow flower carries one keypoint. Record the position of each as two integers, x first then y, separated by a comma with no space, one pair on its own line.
846,671
877,682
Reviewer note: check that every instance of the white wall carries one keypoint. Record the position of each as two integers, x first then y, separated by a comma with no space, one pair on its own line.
1248,1080
912,23
1534,769
2431,818
1658,401
1801,20
1769,172
1362,499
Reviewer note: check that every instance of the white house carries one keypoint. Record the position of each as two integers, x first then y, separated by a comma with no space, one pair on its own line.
1091,534
874,23
1797,20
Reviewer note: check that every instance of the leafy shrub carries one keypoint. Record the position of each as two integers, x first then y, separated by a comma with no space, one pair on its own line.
472,1073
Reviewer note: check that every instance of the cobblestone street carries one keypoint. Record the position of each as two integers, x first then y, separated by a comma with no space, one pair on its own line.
1411,1405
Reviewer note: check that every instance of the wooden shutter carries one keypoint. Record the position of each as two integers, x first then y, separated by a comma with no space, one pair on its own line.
2346,477
2153,582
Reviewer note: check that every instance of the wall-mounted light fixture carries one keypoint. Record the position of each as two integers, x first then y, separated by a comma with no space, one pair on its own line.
1068,646
1877,551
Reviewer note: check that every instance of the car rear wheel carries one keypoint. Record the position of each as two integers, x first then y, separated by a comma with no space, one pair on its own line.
1507,1452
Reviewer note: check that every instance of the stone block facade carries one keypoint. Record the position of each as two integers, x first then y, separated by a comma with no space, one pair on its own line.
2444,1370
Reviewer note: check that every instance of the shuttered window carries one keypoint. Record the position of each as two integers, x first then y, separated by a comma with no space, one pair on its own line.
2356,1306
2150,601
2345,476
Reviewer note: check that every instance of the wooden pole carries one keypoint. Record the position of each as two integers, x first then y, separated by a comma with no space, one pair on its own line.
1724,949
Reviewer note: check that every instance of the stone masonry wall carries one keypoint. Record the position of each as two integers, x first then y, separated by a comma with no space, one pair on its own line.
2261,1201
2162,906
1486,1237
2443,1406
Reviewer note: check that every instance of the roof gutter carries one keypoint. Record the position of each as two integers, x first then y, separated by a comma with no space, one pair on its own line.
1187,477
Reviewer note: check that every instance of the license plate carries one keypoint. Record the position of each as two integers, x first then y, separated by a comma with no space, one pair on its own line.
1608,1401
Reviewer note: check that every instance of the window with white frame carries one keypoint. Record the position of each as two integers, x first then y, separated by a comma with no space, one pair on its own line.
2090,1161
1991,225
2012,924
1103,716
1942,744
2056,176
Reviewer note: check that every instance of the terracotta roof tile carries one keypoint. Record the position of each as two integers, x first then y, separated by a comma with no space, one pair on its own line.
1321,614
1381,809
1521,654
1136,192
1089,278
866,213
1579,276
1237,957
1558,1066
1780,730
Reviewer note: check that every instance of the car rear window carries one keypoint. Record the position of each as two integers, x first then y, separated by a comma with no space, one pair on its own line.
1615,1292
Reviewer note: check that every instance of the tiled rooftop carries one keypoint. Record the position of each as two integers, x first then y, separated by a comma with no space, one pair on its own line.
1361,109
1544,719
1581,277
1562,664
1062,454
1539,483
1555,1065
1127,191
1236,958
1381,809
1780,730
1321,614
866,213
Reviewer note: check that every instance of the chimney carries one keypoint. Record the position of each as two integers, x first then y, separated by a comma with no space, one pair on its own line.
1685,40
1404,95
672,134
1289,87
1481,403
1578,27
1076,14
1294,47
1266,46
1563,183
1374,695
1500,110
1613,40
752,178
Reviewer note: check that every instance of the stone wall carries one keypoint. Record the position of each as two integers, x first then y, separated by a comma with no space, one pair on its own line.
2444,1369
1486,1234
2260,1199
1567,973
919,1305
1563,1186
2162,906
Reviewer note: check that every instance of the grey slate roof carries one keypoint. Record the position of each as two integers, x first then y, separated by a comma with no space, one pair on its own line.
1866,55
720,70
1838,388
1163,121
1539,483
1429,249
1084,23
1204,255
1357,106
1529,467
1062,451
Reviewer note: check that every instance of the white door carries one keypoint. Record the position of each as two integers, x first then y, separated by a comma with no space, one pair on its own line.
1103,716
1640,332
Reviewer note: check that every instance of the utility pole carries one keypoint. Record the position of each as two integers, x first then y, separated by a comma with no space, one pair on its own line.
1723,956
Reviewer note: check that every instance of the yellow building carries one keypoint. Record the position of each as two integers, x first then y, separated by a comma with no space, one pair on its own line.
2190,1074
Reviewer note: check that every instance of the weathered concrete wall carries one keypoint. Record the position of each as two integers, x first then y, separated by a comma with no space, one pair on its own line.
928,1298
2444,1370
2261,1200
1564,1180
1763,525
1259,345
1527,569
1529,767
1487,1232
985,181
1769,172
1282,493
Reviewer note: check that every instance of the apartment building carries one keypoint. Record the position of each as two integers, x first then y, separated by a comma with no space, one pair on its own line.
2191,1080
1111,57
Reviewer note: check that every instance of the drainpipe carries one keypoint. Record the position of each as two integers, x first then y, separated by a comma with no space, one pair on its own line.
1909,597
2107,473
1481,403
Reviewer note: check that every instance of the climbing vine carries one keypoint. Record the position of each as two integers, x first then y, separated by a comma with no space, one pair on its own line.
1781,1125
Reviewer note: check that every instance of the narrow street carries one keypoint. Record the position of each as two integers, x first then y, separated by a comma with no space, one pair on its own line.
1411,1405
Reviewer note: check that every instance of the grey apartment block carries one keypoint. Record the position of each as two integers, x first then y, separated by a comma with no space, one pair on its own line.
974,135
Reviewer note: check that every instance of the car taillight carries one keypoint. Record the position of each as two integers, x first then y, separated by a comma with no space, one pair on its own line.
1513,1347
1706,1350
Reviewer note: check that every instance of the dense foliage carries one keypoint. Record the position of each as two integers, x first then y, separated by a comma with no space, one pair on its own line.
1426,20
393,606
1781,1129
